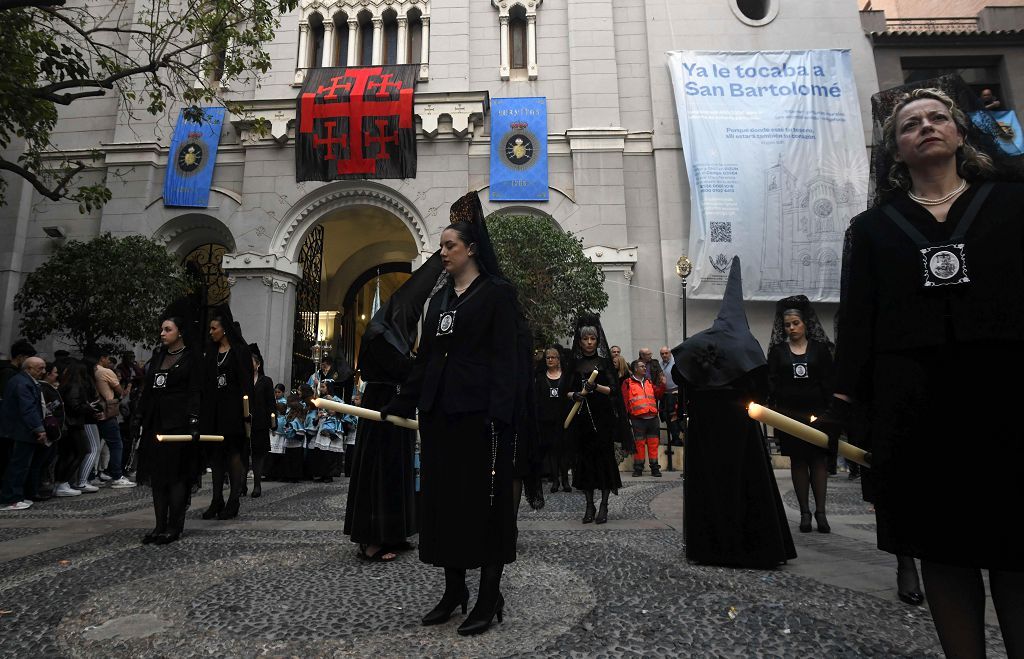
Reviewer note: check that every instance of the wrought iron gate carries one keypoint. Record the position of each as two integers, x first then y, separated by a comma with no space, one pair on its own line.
307,306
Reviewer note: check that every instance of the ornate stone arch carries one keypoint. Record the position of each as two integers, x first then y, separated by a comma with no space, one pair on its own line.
313,207
181,234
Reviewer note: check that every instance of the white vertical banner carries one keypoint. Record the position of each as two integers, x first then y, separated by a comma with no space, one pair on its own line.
774,151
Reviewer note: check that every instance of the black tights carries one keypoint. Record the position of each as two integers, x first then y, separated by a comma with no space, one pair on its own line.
490,588
170,501
257,470
956,597
812,475
590,497
230,465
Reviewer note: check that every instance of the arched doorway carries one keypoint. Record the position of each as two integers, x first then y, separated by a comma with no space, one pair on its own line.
358,241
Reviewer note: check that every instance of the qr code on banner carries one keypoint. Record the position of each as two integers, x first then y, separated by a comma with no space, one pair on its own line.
721,232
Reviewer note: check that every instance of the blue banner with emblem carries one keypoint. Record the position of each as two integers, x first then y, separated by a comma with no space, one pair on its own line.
1003,126
191,159
519,149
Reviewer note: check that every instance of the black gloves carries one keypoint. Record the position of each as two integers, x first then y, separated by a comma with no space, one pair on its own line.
589,386
193,425
577,396
398,407
834,421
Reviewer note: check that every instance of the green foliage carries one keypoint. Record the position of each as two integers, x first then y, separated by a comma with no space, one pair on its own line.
105,290
148,52
555,279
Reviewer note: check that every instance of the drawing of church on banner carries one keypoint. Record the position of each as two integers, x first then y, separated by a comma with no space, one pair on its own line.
804,223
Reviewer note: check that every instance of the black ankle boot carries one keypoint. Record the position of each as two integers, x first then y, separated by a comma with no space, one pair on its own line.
805,521
480,619
602,514
215,507
638,469
655,469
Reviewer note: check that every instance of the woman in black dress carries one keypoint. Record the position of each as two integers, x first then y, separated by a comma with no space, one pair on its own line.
800,378
380,512
262,407
465,384
228,377
170,405
931,327
551,385
601,421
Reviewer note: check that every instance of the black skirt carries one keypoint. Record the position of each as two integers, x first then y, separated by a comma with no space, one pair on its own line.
946,448
166,463
260,443
461,526
381,506
594,466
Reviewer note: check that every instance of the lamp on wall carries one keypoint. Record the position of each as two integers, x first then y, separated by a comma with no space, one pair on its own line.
55,232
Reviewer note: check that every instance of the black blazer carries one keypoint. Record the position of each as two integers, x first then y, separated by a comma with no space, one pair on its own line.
475,367
178,400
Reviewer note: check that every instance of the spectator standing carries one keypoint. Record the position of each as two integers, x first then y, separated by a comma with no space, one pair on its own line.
642,408
21,416
654,372
670,412
109,388
20,351
989,101
76,390
41,476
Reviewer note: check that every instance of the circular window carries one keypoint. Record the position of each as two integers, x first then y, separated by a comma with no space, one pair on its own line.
755,12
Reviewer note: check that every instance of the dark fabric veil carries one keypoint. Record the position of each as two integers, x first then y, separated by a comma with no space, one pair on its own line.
815,332
603,351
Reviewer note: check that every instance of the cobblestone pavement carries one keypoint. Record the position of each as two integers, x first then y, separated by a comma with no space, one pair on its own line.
283,581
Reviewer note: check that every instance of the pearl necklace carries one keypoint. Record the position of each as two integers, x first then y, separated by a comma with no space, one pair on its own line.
176,352
941,200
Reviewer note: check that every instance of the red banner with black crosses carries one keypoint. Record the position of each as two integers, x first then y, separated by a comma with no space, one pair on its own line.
356,123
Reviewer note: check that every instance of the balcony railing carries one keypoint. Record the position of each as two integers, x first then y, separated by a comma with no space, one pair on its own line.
950,24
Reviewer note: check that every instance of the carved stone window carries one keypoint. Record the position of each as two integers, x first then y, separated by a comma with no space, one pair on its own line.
517,20
363,33
755,12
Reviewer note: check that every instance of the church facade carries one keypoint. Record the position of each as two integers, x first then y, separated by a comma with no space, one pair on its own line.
616,170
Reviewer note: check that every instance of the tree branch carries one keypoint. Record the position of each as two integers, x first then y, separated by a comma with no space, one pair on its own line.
24,4
55,193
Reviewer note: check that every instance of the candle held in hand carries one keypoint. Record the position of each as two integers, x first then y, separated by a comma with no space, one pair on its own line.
806,433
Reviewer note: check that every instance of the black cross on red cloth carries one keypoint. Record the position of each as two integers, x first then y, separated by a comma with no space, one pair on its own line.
356,123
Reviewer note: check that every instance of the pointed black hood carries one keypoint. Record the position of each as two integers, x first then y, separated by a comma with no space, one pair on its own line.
725,352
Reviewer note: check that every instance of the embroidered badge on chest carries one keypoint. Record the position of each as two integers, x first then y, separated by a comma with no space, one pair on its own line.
222,381
160,381
800,371
944,265
446,323
553,392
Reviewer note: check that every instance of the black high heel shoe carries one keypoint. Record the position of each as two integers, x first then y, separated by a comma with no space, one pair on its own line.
151,537
602,514
588,516
822,521
445,608
472,626
805,521
167,538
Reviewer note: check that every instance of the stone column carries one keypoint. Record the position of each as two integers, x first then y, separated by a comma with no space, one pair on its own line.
402,55
329,56
353,41
425,48
531,46
503,47
303,61
378,41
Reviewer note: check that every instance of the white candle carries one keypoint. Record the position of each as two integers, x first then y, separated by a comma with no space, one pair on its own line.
806,433
188,438
247,416
364,413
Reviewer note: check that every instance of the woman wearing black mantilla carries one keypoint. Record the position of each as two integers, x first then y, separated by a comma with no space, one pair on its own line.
263,408
170,405
465,383
227,379
930,330
800,376
601,420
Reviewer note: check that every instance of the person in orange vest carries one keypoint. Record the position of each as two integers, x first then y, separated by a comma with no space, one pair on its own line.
642,406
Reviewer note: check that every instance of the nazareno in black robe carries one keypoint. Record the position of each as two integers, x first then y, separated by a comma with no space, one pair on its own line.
732,510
